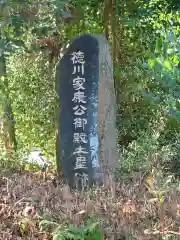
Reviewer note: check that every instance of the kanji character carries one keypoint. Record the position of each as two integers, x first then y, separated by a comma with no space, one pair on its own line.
80,150
80,138
80,162
80,122
78,83
78,57
78,69
79,110
79,97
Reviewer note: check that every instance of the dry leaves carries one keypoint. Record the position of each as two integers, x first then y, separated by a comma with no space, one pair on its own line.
129,207
25,200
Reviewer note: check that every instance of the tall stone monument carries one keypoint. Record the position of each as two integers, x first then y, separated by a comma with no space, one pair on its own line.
87,119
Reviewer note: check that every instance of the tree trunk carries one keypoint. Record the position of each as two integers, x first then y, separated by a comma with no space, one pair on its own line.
8,123
106,14
57,123
110,20
58,151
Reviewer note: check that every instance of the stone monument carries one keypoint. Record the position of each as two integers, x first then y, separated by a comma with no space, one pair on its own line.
87,119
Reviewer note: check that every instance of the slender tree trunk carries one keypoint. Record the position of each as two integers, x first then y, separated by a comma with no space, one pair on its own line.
120,37
110,20
113,29
58,156
8,124
106,13
57,123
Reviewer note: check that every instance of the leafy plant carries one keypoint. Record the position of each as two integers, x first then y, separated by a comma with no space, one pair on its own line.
90,230
165,70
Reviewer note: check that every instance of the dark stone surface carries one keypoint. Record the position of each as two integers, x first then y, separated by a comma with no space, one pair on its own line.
64,77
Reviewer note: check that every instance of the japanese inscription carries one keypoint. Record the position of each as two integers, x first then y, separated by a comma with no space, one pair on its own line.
77,77
79,110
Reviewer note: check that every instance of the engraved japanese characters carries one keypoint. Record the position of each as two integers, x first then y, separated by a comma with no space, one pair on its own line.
87,109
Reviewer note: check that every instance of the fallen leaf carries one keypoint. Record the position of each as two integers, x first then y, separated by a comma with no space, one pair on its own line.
129,207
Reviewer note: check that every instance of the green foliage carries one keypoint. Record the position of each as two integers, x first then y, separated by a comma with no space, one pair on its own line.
11,162
165,72
148,97
91,230
147,81
34,102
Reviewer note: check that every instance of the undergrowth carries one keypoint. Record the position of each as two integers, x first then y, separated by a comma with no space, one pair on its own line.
146,208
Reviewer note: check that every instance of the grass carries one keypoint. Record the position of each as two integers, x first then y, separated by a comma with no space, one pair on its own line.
33,209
